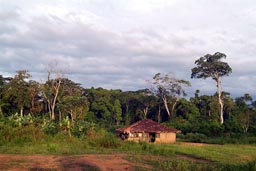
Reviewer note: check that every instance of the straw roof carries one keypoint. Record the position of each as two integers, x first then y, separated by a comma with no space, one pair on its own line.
147,125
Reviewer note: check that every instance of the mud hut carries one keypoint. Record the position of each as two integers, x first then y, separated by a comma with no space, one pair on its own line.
149,131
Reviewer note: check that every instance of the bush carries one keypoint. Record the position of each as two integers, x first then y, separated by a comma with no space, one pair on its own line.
52,148
50,127
108,141
21,135
195,137
82,128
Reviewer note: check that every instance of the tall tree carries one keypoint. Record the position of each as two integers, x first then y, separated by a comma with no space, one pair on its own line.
51,88
170,90
19,90
211,66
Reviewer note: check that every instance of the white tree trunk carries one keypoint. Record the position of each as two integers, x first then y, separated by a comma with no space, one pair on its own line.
57,87
159,114
173,107
166,106
220,100
21,111
145,111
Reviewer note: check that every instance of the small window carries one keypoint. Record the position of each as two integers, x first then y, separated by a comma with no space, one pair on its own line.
157,135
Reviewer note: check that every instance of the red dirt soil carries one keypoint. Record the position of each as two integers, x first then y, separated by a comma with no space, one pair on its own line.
112,162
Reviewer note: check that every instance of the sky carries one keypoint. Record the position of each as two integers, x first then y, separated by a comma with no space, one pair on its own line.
120,44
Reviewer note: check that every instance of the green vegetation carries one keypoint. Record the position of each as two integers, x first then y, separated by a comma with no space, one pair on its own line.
30,138
162,156
61,117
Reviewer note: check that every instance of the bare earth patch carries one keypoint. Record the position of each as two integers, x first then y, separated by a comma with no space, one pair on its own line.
91,162
112,162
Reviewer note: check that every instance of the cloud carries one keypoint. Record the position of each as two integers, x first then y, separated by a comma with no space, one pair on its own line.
120,44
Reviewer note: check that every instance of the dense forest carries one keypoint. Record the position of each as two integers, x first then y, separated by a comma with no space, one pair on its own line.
60,104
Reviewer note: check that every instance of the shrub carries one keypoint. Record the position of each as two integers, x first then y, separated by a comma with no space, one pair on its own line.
17,120
108,141
50,127
195,137
82,128
52,148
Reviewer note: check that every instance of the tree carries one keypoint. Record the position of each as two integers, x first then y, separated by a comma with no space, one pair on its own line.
147,101
207,106
71,100
243,119
212,66
51,88
245,113
19,91
187,110
35,102
229,105
170,90
2,83
101,104
117,111
248,98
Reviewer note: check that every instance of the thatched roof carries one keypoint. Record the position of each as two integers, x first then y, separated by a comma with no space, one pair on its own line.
147,125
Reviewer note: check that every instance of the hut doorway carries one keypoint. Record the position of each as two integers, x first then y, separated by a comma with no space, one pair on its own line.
152,137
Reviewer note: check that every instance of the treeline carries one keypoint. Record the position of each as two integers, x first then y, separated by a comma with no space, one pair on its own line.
60,102
61,98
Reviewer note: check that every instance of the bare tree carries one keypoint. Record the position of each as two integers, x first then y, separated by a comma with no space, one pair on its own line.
169,89
51,88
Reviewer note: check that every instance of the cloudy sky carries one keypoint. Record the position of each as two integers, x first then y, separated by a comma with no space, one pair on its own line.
119,44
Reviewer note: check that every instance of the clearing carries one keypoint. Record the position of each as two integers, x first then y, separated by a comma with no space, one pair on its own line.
103,162
91,162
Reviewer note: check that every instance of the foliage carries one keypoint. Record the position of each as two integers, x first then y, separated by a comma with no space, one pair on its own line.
117,111
18,91
80,112
90,138
82,128
50,127
169,89
17,120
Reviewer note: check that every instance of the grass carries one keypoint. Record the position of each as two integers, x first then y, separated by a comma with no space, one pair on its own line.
228,157
228,153
220,153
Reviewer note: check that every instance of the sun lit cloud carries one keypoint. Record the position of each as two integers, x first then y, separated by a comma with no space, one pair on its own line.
120,44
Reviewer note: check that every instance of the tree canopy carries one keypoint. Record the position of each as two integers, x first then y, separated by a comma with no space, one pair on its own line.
62,101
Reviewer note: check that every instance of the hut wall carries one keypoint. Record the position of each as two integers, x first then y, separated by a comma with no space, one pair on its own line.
160,137
139,137
166,138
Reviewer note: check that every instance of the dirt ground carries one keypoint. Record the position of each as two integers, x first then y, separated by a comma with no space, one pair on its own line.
91,162
113,162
